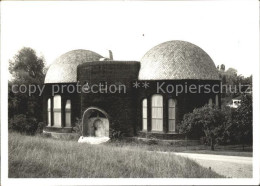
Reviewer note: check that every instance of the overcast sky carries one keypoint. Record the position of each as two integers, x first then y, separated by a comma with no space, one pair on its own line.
227,31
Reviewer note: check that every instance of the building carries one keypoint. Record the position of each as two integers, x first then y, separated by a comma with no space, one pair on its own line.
235,102
136,98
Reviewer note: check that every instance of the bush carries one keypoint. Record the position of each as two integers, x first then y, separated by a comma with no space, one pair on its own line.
40,127
242,125
227,136
115,134
221,126
78,127
238,127
23,124
206,123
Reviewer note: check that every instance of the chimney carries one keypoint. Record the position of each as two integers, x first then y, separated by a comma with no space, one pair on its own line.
110,55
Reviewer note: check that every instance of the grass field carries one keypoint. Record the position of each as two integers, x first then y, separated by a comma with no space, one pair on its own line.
39,157
228,150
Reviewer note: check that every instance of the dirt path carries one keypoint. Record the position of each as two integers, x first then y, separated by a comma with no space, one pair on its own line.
229,166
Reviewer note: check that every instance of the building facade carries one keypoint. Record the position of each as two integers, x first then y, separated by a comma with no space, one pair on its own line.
146,99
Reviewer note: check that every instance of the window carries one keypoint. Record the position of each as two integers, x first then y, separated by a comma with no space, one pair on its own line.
171,114
57,110
68,114
144,106
210,102
49,112
216,100
157,113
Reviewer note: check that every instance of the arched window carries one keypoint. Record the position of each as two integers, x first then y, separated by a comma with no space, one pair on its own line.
57,110
210,101
157,113
217,101
68,114
171,114
144,106
49,112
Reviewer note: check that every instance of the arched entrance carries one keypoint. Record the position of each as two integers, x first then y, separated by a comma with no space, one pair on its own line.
95,123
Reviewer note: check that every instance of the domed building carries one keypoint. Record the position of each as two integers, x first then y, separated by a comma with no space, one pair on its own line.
61,108
144,99
181,76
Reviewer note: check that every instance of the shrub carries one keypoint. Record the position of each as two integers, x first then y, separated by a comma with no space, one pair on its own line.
115,134
40,127
228,136
221,126
206,122
243,121
22,123
238,126
78,127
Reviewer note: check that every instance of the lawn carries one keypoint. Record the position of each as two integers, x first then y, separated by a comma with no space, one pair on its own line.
40,157
228,150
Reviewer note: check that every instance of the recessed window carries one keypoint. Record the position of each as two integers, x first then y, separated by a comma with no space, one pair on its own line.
216,100
171,115
157,113
68,113
210,101
144,106
49,112
57,110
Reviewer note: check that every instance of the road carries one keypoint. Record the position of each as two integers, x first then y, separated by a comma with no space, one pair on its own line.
229,166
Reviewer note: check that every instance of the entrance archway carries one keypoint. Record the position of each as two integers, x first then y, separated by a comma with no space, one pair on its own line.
95,123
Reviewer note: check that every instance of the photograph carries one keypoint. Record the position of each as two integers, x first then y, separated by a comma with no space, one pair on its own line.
130,92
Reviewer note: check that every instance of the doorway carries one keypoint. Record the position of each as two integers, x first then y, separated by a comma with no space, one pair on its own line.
95,123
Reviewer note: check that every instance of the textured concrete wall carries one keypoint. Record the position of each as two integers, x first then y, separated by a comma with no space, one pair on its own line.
120,107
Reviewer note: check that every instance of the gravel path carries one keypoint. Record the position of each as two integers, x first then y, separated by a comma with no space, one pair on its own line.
229,166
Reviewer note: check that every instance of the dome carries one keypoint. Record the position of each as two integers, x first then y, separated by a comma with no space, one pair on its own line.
64,68
177,60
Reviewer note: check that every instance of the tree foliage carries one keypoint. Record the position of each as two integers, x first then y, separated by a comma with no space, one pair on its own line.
26,69
206,122
234,84
220,126
243,120
23,124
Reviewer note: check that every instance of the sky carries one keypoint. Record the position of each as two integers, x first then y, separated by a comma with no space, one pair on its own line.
227,30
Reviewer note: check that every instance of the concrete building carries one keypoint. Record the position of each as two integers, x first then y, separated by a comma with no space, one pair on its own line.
136,98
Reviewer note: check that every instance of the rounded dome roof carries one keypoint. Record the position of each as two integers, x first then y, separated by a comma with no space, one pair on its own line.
177,60
64,68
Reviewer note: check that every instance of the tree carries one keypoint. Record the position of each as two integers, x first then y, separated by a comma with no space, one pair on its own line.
221,126
26,69
231,72
243,120
234,85
206,122
26,66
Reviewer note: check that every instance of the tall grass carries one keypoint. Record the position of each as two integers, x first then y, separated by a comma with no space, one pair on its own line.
35,157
